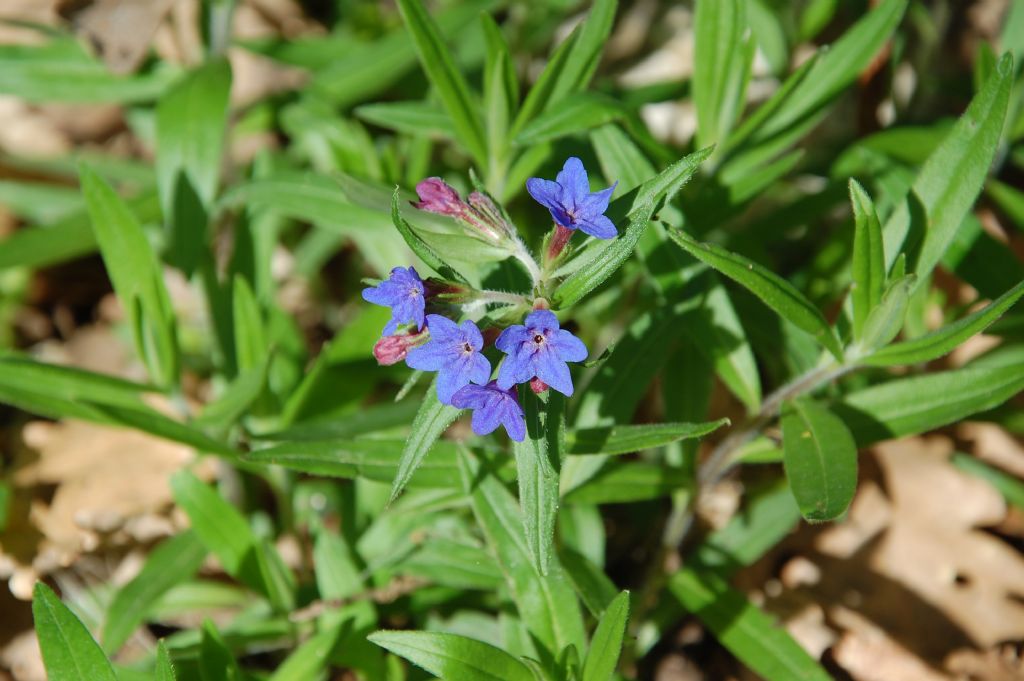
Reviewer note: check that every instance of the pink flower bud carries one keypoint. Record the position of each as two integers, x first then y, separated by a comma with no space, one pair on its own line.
537,386
437,196
393,349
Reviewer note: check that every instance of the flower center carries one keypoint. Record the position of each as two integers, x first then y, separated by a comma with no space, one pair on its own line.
538,339
467,348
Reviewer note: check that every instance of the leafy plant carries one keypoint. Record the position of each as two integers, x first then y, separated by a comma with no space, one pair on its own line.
357,521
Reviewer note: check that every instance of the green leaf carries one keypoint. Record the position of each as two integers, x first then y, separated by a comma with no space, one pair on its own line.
724,49
606,645
907,406
745,630
216,663
251,346
1008,485
641,207
432,419
501,96
455,564
886,320
942,341
226,534
807,92
164,669
950,180
190,124
546,604
412,118
136,275
310,659
868,258
621,482
449,82
173,562
69,651
371,459
821,460
453,657
579,114
613,440
62,71
538,480
594,587
773,290
572,66
420,247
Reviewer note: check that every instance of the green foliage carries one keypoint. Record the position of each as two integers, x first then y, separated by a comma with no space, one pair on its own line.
778,271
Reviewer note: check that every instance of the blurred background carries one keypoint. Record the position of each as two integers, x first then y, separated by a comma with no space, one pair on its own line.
925,579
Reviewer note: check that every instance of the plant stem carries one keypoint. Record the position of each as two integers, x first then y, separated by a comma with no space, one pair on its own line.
502,297
520,253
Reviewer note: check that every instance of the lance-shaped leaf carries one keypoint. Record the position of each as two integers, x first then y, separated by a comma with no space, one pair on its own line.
137,277
724,50
886,320
69,651
820,460
773,290
164,669
582,112
942,341
447,79
453,657
547,604
606,645
951,179
432,419
612,440
190,123
868,258
744,629
907,406
538,477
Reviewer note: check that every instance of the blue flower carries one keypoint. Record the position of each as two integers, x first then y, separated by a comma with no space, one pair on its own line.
492,406
454,352
571,204
403,292
539,348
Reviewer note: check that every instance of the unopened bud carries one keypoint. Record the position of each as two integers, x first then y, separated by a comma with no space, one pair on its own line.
437,196
481,215
538,386
393,349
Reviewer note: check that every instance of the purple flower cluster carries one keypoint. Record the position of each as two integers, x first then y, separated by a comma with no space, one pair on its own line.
536,352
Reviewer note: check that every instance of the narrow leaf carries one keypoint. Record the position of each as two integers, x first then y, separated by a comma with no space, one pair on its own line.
942,341
773,290
579,114
164,669
453,657
820,460
886,320
310,659
546,604
432,419
868,258
449,82
538,483
69,651
606,644
745,630
613,440
173,562
907,406
724,58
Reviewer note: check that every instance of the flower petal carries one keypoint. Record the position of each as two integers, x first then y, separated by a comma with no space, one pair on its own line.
470,397
511,338
514,420
574,182
542,320
568,347
429,357
487,417
480,371
599,226
596,203
545,192
508,372
451,378
471,334
441,328
554,372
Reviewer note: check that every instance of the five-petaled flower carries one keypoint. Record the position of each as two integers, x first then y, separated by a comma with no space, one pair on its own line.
539,348
454,352
403,292
492,406
571,203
